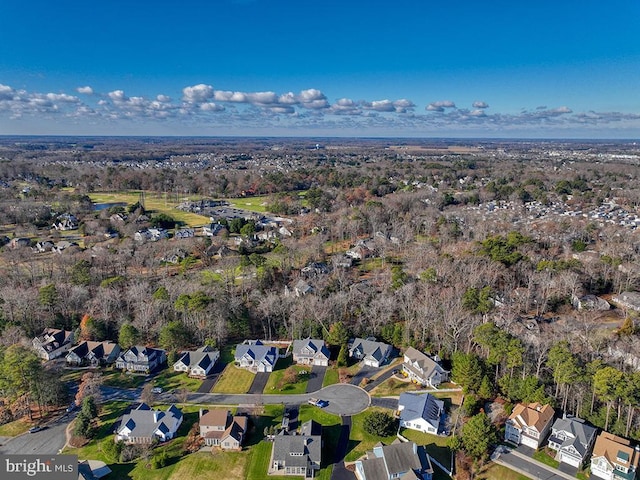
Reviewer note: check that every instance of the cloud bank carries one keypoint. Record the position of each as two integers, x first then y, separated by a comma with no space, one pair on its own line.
307,110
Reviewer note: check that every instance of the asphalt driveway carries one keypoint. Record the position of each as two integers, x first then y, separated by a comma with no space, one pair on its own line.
316,378
365,372
339,471
259,382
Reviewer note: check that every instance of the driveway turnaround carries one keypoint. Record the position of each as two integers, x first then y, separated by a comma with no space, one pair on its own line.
316,378
344,399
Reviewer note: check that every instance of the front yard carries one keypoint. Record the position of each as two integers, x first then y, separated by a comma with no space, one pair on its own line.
360,441
278,383
435,445
116,378
168,379
234,380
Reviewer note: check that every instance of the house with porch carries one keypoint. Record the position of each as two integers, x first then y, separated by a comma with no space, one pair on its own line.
52,343
422,369
142,359
614,458
310,352
255,356
299,455
93,354
572,439
529,424
371,353
197,363
143,425
400,460
220,429
422,412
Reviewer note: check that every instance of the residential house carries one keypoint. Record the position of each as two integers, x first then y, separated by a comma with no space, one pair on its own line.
314,269
92,469
65,245
614,458
572,439
213,229
197,363
93,354
359,252
628,300
311,352
400,460
141,359
65,222
422,412
255,356
298,455
302,288
45,246
52,343
219,428
422,369
371,353
19,242
185,233
529,424
143,425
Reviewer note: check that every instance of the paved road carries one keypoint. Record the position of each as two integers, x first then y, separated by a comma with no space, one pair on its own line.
259,382
45,442
316,378
339,471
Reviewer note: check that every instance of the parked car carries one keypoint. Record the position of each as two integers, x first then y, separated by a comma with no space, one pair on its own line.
71,408
318,403
35,429
312,401
156,390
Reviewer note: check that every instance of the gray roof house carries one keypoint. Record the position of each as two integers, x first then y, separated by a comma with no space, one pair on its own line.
371,353
400,460
572,439
311,352
422,369
255,356
298,455
197,363
144,425
52,343
141,359
93,353
422,412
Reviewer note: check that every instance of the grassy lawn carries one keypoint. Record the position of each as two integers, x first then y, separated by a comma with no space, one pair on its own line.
234,380
116,378
435,445
291,388
14,428
258,464
171,380
205,465
394,386
546,457
331,377
154,203
253,204
359,440
498,472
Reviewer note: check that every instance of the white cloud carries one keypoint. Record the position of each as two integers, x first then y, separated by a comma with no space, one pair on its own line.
480,105
85,90
440,106
211,107
117,96
163,98
197,93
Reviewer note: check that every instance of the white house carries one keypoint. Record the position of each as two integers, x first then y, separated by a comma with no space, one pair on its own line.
614,458
572,439
143,425
370,352
310,352
52,343
255,356
422,412
197,363
422,369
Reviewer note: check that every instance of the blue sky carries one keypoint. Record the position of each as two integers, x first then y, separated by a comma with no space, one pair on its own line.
560,68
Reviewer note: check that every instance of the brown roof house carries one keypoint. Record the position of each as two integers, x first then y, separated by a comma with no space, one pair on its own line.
52,343
614,458
93,353
529,424
220,429
400,460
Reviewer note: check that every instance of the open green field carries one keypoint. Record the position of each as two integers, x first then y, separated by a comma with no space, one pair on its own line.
253,204
154,203
234,380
